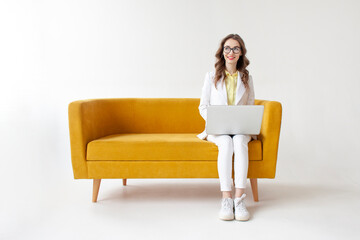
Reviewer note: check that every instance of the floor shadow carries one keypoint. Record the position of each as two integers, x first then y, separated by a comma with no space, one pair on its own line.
164,190
271,193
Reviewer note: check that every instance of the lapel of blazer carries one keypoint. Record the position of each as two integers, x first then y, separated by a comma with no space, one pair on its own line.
222,89
240,89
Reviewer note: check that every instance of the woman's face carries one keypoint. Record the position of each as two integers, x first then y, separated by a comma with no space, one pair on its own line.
231,55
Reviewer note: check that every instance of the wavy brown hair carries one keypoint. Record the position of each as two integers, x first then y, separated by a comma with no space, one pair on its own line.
241,64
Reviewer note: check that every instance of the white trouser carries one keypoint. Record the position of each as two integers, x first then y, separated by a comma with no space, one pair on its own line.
227,146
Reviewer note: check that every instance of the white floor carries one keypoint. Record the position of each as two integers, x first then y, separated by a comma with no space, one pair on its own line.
292,206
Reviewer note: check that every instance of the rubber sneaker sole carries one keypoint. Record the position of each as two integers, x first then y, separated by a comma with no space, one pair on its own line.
226,218
244,218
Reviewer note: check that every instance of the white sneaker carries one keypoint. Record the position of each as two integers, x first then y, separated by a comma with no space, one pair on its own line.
241,213
227,209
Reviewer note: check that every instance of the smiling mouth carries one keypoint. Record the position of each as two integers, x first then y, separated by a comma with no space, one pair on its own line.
230,58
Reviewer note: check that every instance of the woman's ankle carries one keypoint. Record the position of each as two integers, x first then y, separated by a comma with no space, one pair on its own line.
239,192
226,194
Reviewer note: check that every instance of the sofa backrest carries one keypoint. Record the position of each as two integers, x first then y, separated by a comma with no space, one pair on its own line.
149,115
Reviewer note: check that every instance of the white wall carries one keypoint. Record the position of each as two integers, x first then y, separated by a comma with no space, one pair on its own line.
304,54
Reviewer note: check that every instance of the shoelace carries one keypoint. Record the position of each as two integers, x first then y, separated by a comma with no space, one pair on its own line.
226,203
240,203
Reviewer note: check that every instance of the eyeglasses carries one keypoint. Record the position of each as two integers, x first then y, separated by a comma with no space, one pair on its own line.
228,49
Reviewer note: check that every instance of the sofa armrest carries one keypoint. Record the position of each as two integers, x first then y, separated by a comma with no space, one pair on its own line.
270,133
88,120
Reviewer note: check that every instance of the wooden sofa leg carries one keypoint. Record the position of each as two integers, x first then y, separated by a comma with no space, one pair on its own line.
124,181
96,186
254,188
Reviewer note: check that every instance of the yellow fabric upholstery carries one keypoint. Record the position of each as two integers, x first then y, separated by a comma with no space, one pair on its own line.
158,146
156,138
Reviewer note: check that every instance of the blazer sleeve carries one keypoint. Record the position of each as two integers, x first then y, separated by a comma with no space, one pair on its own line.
251,98
205,97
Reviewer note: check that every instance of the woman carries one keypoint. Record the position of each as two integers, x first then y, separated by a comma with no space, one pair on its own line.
230,84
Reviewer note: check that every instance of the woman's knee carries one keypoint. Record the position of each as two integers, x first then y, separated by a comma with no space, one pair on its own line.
241,139
225,142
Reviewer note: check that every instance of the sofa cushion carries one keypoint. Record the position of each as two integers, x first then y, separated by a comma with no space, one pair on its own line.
159,146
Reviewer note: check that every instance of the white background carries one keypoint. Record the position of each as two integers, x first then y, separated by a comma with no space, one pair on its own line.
304,54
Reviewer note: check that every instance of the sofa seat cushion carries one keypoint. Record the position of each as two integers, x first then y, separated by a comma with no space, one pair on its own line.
159,146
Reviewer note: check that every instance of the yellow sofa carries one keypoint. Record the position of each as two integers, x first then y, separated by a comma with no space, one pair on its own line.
156,138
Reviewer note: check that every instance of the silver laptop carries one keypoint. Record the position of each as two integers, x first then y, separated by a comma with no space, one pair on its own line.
234,119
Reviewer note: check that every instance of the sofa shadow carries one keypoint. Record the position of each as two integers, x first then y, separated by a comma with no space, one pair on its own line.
286,197
163,189
271,194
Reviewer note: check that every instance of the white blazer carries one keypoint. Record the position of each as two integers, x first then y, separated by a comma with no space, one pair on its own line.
212,96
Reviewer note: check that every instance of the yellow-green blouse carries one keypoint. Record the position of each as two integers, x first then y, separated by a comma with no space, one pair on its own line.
230,82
